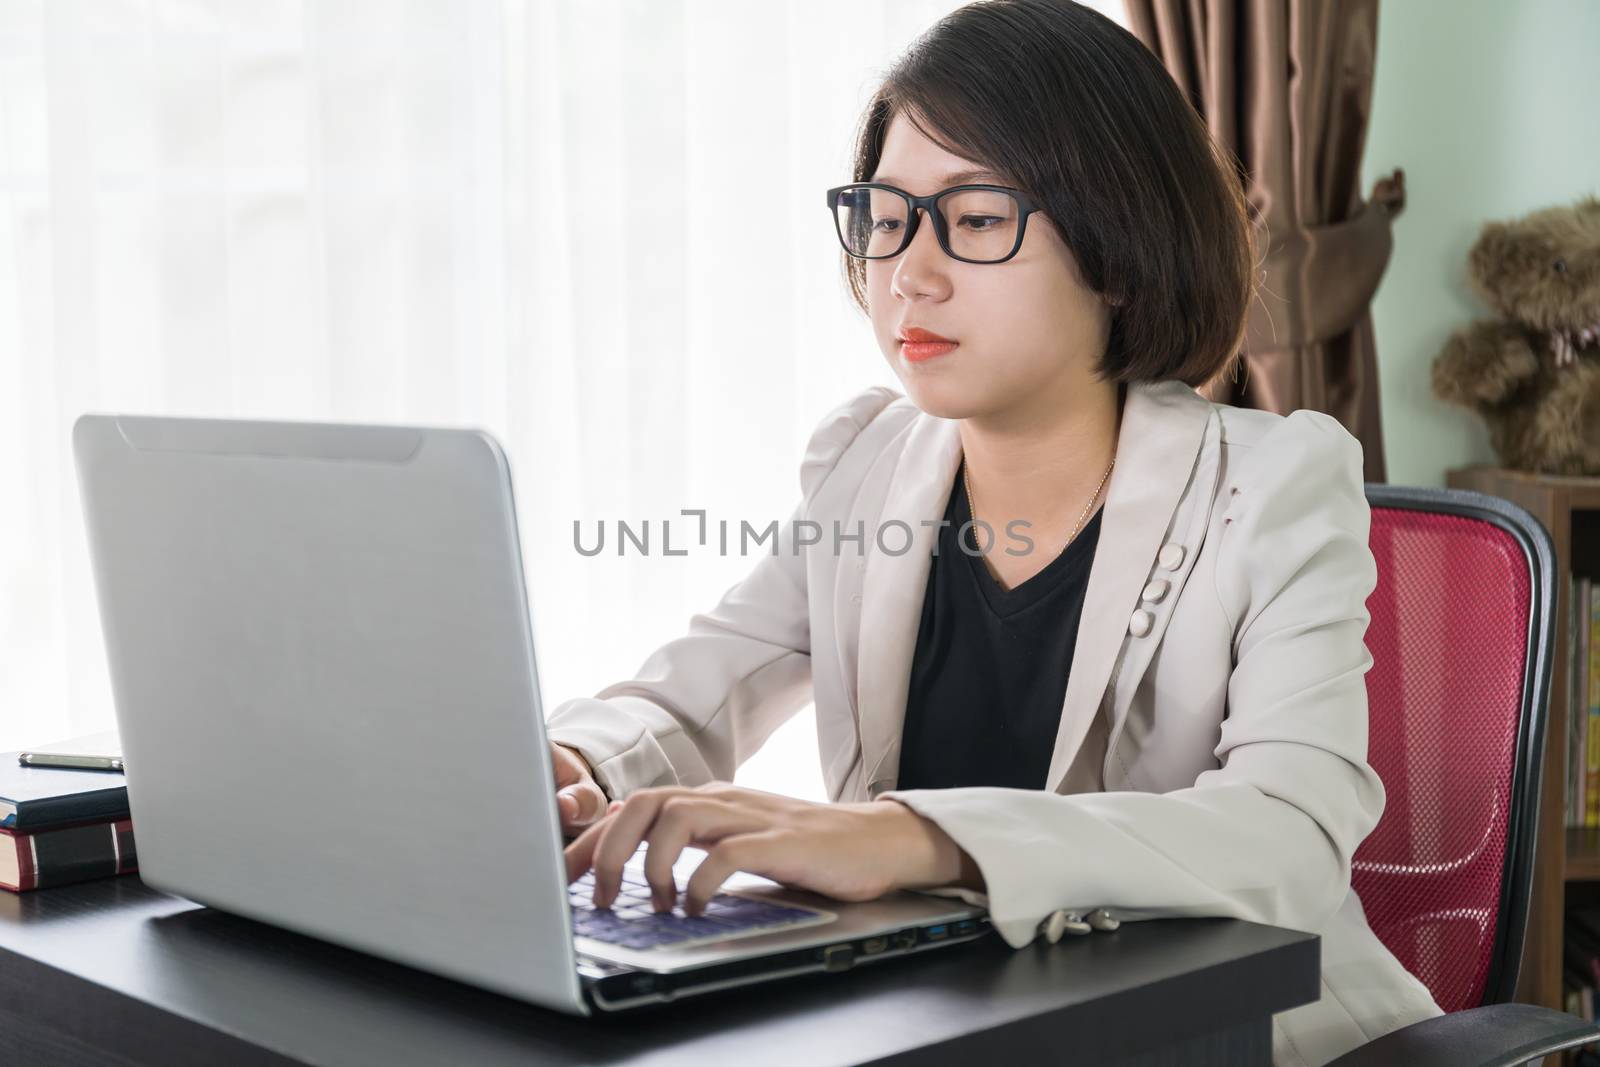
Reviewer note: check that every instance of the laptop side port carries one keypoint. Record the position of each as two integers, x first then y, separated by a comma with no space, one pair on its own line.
838,957
874,945
936,933
905,939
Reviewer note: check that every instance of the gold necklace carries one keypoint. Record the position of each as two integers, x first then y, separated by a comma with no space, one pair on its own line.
972,506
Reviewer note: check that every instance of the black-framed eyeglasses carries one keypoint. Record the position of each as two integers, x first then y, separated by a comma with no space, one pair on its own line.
974,223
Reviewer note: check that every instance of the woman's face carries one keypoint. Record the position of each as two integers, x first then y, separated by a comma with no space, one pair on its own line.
1028,331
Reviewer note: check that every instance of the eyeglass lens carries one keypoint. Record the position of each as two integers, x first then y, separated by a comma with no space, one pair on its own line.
981,223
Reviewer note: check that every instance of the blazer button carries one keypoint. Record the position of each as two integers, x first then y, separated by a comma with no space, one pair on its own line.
1139,624
1171,556
1101,919
1155,589
1060,922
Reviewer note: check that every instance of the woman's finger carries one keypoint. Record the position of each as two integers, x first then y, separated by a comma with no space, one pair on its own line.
580,804
755,853
685,820
621,837
580,853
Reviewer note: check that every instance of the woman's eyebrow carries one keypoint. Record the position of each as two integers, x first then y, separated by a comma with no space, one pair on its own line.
958,178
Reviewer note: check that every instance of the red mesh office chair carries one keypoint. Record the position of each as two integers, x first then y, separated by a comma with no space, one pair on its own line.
1463,620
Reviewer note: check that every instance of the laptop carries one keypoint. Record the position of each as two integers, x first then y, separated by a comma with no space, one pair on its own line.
324,680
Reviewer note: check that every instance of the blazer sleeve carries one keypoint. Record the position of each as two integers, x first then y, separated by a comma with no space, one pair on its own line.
705,702
1267,836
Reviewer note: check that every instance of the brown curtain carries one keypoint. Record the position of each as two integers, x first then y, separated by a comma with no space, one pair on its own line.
1286,86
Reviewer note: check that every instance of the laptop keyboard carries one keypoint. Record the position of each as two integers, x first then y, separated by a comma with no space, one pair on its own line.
633,922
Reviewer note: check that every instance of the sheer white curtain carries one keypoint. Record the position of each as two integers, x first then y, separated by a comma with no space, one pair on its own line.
594,228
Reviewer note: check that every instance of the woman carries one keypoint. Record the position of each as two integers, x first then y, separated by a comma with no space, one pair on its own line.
1077,637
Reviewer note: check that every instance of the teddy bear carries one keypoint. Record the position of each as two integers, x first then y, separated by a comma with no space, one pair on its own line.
1534,374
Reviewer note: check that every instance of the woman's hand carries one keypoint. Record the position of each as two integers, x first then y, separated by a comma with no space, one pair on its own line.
579,798
844,851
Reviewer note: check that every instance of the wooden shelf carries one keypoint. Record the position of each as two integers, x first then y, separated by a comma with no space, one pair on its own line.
1566,862
1582,494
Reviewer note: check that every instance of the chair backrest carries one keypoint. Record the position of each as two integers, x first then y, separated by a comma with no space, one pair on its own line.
1462,626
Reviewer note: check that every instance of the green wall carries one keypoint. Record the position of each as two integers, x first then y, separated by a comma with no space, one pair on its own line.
1492,107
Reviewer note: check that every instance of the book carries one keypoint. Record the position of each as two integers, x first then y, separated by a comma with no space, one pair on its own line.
1579,704
37,798
1591,778
1576,669
41,859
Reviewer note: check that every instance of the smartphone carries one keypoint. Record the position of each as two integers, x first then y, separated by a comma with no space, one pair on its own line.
87,752
63,759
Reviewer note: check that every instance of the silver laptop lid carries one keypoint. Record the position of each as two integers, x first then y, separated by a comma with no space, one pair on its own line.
323,671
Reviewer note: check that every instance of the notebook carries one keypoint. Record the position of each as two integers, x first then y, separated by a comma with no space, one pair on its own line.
33,798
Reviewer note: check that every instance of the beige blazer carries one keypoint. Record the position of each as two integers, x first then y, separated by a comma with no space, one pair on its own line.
1221,642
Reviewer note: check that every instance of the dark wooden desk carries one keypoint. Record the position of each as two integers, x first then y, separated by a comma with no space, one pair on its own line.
113,972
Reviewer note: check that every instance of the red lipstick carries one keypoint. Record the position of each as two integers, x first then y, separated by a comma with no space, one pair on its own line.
917,344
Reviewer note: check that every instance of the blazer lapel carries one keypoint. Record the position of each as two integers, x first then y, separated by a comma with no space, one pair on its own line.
1163,424
893,587
1160,435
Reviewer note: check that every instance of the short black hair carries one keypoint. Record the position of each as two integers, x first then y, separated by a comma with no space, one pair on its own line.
1080,115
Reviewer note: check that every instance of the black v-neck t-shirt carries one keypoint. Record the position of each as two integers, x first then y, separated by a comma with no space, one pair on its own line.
989,673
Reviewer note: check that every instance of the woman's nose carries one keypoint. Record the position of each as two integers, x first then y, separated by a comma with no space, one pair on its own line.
918,267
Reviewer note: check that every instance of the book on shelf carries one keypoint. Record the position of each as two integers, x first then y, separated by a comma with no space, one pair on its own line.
1591,707
1583,704
61,825
62,855
1576,667
1583,767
